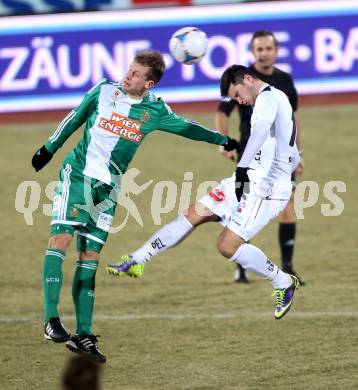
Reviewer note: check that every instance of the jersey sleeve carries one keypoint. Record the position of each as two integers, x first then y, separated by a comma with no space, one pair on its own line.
74,119
226,106
265,108
170,122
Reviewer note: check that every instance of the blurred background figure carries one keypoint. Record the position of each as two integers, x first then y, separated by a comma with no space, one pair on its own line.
81,373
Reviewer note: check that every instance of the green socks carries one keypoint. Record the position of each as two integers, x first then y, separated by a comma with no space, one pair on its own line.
83,294
52,281
82,288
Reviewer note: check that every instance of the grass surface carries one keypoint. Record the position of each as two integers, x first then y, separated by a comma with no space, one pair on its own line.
185,324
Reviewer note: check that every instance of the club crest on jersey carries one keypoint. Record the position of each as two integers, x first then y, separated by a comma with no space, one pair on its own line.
116,95
74,212
122,126
217,195
145,117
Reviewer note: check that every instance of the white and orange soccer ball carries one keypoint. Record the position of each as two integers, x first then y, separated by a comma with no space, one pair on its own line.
188,45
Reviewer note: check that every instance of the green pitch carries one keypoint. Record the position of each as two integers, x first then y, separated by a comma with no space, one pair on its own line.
185,324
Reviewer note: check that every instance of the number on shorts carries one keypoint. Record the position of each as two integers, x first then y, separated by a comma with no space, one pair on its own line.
258,156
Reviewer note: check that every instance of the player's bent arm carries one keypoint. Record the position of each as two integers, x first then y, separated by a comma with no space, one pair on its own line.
69,124
74,119
172,123
259,133
66,127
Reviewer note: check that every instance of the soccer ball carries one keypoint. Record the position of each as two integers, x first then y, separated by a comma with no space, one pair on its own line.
188,45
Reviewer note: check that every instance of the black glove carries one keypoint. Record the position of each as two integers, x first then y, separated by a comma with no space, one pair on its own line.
41,158
232,144
242,183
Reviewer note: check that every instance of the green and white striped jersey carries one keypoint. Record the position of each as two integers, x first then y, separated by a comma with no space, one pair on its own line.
115,127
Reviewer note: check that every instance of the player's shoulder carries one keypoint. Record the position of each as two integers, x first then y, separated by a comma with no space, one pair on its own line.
110,89
268,96
267,91
272,93
114,84
152,98
111,85
97,86
159,103
282,74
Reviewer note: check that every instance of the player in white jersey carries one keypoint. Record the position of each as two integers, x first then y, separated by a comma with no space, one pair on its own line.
256,193
264,47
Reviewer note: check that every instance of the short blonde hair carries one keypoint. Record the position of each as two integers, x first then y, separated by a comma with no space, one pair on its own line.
154,61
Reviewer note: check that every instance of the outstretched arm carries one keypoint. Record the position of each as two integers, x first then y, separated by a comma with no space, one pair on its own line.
175,124
66,128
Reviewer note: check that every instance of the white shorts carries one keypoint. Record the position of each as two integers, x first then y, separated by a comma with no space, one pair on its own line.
247,218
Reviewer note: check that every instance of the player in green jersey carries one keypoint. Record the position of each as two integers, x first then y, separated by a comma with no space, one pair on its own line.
117,117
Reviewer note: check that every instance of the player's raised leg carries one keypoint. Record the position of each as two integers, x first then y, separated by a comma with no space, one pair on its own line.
245,223
253,259
168,236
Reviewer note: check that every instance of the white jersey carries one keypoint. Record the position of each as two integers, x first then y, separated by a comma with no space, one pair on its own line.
273,162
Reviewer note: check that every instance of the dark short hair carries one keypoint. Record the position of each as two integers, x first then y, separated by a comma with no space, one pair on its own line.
154,61
263,33
234,74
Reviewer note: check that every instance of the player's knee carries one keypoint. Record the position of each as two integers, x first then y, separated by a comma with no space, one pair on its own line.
225,248
88,255
60,242
198,214
287,215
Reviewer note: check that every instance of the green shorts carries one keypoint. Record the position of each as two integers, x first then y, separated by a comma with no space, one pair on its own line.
85,206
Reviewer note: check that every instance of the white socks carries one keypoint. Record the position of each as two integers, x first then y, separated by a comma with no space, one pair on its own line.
166,237
253,259
248,256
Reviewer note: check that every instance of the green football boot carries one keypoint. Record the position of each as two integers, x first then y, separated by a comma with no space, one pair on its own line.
284,298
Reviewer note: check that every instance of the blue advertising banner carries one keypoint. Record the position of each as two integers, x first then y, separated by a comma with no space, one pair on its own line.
29,7
48,62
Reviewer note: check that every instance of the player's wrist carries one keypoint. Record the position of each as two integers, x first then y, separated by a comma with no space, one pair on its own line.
241,182
242,169
50,147
232,144
300,152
